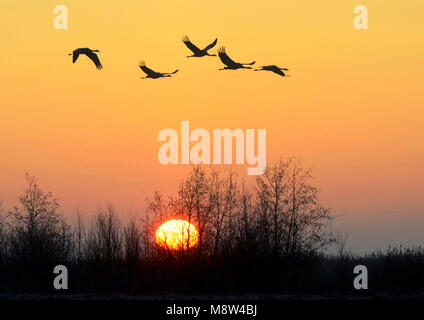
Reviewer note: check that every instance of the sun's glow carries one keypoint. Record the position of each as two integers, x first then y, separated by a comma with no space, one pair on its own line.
177,234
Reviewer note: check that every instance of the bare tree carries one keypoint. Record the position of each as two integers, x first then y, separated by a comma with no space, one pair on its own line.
290,215
80,237
104,241
193,204
158,211
133,252
40,229
230,202
223,197
247,237
132,240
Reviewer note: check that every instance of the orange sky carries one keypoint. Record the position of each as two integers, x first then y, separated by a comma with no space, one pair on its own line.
353,108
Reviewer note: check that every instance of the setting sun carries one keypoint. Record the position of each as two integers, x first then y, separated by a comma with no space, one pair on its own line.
176,234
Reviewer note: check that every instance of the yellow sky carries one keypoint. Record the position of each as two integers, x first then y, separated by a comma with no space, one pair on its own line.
352,108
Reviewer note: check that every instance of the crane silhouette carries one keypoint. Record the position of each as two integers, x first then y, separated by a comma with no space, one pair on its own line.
153,74
229,63
196,51
275,69
89,53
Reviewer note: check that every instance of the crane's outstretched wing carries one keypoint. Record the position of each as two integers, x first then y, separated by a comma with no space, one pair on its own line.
279,71
146,70
224,57
213,44
190,45
75,56
93,57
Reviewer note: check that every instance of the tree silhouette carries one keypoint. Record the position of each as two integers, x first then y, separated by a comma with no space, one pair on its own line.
292,219
40,229
262,239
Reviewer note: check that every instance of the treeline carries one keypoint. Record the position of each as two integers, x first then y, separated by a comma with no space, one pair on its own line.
267,239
